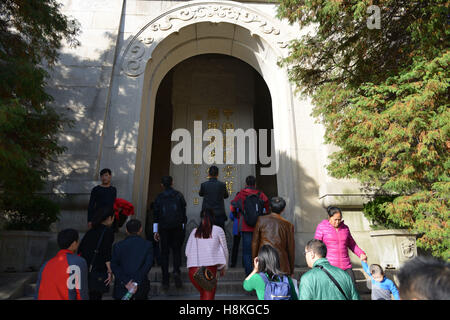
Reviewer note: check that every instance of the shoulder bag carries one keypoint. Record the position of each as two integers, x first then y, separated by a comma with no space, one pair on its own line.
334,280
96,279
203,276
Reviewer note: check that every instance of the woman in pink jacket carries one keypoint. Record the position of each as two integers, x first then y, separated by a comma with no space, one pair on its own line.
336,236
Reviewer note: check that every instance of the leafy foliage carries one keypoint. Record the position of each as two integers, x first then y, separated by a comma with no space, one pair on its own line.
375,212
382,95
37,214
31,33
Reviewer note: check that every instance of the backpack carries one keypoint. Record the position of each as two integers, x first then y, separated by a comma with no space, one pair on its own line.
253,208
171,215
276,290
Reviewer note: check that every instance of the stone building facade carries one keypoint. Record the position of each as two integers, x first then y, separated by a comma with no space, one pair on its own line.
145,68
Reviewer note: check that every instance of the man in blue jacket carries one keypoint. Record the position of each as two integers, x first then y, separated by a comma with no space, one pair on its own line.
131,261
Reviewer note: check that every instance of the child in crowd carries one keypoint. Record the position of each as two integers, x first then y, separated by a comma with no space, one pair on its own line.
382,287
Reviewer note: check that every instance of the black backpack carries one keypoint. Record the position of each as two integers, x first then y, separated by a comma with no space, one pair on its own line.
171,214
253,208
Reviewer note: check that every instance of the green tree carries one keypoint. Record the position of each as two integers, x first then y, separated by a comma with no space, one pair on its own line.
382,96
31,33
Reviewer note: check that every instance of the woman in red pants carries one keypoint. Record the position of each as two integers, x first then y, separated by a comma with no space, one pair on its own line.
206,246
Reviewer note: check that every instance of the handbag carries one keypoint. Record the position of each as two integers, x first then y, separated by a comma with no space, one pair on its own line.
204,277
96,279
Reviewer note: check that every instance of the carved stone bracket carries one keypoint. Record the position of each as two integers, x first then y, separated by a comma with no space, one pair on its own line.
408,248
136,53
217,13
133,64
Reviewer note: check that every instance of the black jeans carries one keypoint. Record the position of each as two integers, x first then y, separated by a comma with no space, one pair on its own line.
235,249
171,239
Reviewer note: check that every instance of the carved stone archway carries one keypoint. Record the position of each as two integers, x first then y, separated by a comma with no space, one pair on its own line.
233,29
138,52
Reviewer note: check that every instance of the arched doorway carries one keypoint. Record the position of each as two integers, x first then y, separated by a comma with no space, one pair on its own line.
221,92
215,38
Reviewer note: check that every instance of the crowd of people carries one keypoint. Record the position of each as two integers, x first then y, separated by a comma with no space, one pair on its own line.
85,269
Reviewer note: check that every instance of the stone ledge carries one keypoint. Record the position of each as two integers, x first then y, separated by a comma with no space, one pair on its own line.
391,232
344,200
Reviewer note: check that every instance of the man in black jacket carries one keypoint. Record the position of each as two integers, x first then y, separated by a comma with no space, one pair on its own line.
102,195
168,227
214,192
131,261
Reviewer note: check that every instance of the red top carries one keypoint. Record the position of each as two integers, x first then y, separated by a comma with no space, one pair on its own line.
56,276
240,197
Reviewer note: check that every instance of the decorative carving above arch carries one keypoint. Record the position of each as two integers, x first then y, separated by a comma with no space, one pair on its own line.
138,51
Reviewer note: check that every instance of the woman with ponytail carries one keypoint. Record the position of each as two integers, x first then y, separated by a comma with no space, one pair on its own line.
206,246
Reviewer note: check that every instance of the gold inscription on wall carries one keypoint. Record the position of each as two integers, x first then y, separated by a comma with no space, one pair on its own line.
227,113
213,114
229,185
229,171
227,125
213,125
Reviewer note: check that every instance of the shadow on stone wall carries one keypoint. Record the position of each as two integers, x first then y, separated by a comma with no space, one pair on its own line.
83,87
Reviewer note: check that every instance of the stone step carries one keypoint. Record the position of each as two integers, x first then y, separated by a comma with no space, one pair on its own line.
223,287
197,297
30,290
225,297
238,274
229,285
12,285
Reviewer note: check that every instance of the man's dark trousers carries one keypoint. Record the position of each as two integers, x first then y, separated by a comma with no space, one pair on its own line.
235,249
247,260
171,239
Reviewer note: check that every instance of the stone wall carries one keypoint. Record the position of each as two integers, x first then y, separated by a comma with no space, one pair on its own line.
108,86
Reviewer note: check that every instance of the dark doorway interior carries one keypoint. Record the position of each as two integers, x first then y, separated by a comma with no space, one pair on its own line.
162,130
263,119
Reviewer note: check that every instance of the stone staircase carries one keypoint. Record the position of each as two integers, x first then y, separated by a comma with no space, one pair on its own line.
229,287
